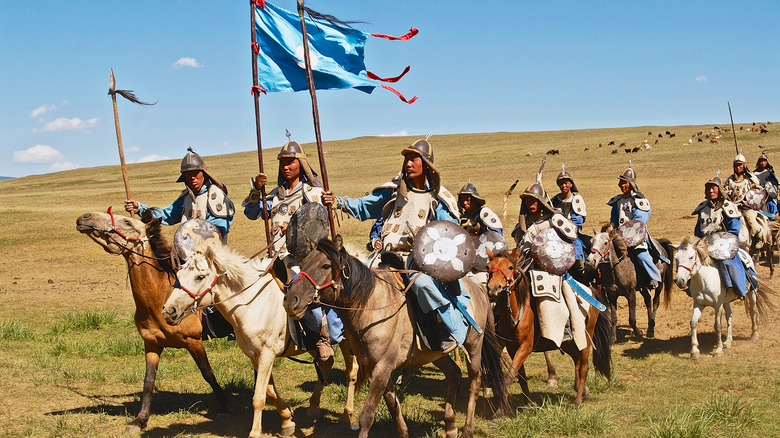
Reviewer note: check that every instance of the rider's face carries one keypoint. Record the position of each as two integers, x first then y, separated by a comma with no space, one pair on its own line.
712,192
739,168
413,165
532,205
565,186
290,167
194,180
625,187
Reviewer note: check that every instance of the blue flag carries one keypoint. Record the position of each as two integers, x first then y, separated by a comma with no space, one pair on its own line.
336,53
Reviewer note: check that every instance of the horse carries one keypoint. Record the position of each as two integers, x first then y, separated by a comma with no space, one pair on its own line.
517,325
697,272
374,309
147,253
618,278
250,298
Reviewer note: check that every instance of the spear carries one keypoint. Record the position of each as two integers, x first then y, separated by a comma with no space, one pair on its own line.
733,131
507,194
127,94
315,112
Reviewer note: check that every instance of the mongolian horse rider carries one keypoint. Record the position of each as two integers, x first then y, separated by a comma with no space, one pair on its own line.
718,213
765,174
407,203
629,205
297,184
475,218
736,187
572,206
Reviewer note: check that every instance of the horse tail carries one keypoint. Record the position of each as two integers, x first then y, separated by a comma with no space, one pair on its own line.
602,350
764,304
669,273
492,365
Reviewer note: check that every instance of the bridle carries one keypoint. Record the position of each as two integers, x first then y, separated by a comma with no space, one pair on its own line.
193,294
511,280
693,265
315,299
114,230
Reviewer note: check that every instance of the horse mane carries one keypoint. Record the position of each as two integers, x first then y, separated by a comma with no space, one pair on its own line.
157,241
522,292
358,280
700,247
619,243
605,227
229,263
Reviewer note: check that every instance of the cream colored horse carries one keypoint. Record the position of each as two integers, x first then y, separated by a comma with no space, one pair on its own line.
251,300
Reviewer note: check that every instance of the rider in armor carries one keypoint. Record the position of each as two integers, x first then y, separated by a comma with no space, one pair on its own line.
297,184
203,197
715,214
766,177
572,206
631,204
736,187
474,216
405,204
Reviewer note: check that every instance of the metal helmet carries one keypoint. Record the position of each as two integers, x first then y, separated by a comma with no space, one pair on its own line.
425,150
471,190
536,191
740,158
630,176
763,156
718,183
193,161
566,175
292,149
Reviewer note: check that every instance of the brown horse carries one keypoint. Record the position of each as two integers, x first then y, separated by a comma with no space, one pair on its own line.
147,253
374,310
618,278
517,325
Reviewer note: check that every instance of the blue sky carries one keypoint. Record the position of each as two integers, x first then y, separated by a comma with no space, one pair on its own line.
479,66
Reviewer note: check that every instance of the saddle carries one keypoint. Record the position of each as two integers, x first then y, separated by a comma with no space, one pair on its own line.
215,325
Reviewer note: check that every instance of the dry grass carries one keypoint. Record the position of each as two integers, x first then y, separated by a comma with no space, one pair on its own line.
86,382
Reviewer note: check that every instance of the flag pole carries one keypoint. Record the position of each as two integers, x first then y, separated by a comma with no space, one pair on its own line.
112,92
732,127
315,112
256,94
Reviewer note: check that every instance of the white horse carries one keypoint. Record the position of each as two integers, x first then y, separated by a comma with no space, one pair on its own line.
697,272
251,300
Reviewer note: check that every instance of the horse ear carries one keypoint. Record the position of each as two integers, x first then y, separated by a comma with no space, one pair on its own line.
490,254
516,253
339,242
594,229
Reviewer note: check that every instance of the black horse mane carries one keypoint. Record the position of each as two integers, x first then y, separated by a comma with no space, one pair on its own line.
160,246
358,280
522,292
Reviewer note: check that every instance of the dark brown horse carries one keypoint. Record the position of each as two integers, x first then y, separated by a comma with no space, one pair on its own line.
517,324
375,313
147,253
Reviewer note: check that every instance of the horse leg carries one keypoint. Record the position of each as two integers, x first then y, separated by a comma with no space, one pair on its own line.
729,339
697,309
752,303
632,314
351,370
718,352
198,353
394,407
152,355
380,378
263,364
516,368
316,395
552,376
613,322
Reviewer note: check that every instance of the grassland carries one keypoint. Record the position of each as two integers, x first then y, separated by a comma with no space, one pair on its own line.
71,362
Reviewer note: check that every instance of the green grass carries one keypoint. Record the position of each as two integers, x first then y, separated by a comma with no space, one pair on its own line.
15,331
83,321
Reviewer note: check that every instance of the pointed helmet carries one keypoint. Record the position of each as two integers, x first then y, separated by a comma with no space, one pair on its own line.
564,175
471,190
193,161
292,149
425,150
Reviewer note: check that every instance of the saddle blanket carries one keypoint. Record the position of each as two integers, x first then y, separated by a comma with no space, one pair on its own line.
558,304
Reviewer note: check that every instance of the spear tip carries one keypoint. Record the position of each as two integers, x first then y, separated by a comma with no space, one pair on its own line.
112,83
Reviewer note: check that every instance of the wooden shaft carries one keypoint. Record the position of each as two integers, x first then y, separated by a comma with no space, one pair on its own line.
121,150
315,113
734,131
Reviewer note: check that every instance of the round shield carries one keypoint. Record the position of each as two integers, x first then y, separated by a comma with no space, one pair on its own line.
443,250
489,240
191,231
722,245
307,226
551,253
755,198
633,232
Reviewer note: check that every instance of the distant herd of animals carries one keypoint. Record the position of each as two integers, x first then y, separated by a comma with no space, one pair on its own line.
699,136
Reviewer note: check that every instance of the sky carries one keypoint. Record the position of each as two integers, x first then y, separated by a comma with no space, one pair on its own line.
478,66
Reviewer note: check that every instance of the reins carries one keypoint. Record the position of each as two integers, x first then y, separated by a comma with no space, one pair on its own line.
695,260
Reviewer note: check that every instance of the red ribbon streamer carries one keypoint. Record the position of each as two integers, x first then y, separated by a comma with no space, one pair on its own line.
256,88
412,32
395,79
260,3
255,47
400,96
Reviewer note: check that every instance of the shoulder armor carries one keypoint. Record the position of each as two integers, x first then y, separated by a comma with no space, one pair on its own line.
564,226
642,204
312,194
449,201
578,205
392,184
218,203
700,207
731,210
490,218
614,199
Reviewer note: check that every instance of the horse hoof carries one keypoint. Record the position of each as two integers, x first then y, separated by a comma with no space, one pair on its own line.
694,356
132,429
287,431
727,344
754,337
586,392
552,383
717,354
650,333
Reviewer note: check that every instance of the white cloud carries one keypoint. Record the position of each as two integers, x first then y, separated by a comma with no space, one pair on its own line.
133,149
701,79
42,109
63,165
74,124
402,133
187,62
153,157
40,153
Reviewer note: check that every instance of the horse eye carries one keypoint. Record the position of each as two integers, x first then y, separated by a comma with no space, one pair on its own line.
511,268
326,266
200,277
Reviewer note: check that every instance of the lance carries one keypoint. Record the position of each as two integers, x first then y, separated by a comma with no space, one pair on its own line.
507,194
539,180
733,131
315,112
256,94
127,94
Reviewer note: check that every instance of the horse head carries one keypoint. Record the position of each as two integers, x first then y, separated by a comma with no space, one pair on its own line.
601,245
195,283
501,269
691,254
116,234
317,279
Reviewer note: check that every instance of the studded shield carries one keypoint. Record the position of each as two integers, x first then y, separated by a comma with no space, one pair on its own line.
551,253
489,240
191,231
634,232
307,226
443,250
755,198
722,245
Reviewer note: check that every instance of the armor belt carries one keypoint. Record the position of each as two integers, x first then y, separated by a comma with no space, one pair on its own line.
544,285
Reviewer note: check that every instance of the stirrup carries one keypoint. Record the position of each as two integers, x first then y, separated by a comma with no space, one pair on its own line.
324,350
